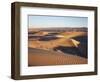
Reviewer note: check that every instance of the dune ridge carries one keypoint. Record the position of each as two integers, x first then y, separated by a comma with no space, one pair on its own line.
38,57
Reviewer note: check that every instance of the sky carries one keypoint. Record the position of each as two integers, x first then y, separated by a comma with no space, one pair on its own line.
39,21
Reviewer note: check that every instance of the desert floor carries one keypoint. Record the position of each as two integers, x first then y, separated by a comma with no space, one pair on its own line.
43,57
61,51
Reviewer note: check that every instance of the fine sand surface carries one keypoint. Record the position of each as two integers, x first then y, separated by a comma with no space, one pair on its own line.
51,44
67,48
39,57
64,41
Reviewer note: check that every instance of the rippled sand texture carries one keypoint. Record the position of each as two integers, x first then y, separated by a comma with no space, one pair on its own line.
63,48
42,57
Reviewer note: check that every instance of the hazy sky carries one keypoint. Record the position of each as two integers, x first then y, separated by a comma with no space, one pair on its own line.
57,21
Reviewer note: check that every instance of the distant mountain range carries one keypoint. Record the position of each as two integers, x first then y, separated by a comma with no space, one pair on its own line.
60,29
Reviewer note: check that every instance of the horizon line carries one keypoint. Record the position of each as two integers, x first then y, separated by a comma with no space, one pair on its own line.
58,27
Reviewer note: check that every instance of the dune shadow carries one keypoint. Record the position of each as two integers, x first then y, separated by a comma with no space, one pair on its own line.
47,38
83,46
81,50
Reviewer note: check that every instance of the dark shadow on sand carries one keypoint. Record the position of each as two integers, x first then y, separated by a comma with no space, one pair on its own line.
81,50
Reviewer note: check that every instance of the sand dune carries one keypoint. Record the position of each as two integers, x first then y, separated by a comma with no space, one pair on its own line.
38,57
42,52
73,34
63,41
51,44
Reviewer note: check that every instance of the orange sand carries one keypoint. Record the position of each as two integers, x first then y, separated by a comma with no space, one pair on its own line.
42,58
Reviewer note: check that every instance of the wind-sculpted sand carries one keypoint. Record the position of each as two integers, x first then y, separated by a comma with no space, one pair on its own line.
38,57
64,41
61,50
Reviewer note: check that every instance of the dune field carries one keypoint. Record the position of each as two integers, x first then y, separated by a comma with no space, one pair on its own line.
47,47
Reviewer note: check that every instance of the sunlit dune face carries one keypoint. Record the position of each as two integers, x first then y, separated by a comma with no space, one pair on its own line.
52,48
53,58
65,39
